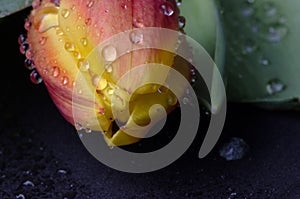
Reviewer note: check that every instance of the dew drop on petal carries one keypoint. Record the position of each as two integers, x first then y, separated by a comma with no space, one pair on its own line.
55,71
109,53
65,13
64,80
84,41
70,47
108,68
83,65
136,37
90,3
42,40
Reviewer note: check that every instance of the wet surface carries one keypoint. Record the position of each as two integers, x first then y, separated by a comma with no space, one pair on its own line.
41,155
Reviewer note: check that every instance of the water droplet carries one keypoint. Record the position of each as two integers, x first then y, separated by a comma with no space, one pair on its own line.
43,40
62,171
20,196
276,33
167,9
101,110
88,130
22,39
78,126
181,21
28,183
235,149
138,23
29,54
59,31
251,1
90,3
77,55
64,80
69,46
108,68
264,62
249,47
83,65
46,18
110,91
27,25
185,100
23,48
109,53
275,86
124,6
136,37
88,21
65,13
84,41
102,84
172,101
29,64
270,9
179,2
35,77
247,11
55,71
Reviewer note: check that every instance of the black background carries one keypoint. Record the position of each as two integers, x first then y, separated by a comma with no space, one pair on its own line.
38,145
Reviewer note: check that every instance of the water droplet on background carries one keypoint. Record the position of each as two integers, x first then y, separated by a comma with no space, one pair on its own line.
275,86
70,47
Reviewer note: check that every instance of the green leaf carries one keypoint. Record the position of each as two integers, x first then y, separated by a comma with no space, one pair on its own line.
262,58
8,7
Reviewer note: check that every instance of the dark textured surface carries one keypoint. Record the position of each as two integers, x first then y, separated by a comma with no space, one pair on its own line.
37,145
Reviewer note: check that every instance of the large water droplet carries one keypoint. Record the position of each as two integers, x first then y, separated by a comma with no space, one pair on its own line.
45,19
35,77
275,86
167,9
109,53
136,37
102,84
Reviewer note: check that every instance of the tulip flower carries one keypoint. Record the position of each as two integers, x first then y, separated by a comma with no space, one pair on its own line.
59,47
